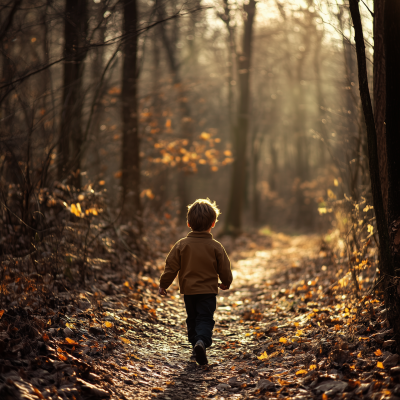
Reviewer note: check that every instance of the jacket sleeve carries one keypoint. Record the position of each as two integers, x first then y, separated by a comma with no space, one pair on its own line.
172,267
224,267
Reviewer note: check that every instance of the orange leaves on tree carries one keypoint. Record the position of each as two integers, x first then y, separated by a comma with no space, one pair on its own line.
114,90
147,193
76,210
205,136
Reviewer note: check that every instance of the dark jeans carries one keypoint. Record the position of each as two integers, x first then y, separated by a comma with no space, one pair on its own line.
200,310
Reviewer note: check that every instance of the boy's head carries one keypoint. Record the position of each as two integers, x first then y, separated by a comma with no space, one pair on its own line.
202,214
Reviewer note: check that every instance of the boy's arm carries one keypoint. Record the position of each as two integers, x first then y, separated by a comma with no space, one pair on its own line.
172,267
224,268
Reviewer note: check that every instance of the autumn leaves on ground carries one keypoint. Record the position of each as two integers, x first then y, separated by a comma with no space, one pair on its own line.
286,329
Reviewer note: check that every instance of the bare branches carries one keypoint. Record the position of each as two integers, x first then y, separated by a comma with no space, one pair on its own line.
112,41
8,22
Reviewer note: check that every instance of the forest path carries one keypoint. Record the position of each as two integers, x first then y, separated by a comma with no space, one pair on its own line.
161,366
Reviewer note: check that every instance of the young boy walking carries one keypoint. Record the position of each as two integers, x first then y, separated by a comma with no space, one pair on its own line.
199,260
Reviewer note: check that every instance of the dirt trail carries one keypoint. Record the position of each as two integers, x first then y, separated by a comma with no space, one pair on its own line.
124,342
163,368
285,330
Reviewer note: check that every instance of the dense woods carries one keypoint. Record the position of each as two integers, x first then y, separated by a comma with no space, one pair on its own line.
115,115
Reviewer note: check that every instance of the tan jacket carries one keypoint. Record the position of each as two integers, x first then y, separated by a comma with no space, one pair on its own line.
199,260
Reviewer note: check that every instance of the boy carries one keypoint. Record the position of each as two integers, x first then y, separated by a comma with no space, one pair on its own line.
199,260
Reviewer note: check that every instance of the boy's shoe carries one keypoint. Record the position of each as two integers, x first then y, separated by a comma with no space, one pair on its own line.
200,351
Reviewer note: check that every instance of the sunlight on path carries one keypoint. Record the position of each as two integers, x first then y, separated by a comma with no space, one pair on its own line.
169,374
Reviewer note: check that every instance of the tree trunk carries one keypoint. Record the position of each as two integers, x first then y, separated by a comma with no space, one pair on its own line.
232,60
255,158
97,70
322,130
392,52
130,141
391,28
161,179
187,127
233,222
380,95
70,141
273,172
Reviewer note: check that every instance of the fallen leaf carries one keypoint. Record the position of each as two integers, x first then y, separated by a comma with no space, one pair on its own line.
283,340
379,364
108,324
125,340
263,356
301,372
70,341
38,393
1,313
378,353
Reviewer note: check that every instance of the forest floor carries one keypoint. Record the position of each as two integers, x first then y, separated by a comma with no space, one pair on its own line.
279,333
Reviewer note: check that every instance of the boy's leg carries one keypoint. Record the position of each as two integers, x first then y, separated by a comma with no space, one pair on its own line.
205,308
190,305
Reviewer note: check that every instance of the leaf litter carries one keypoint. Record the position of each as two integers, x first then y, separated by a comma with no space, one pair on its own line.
287,329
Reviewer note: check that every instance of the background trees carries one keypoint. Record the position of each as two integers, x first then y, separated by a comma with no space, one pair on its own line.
252,105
